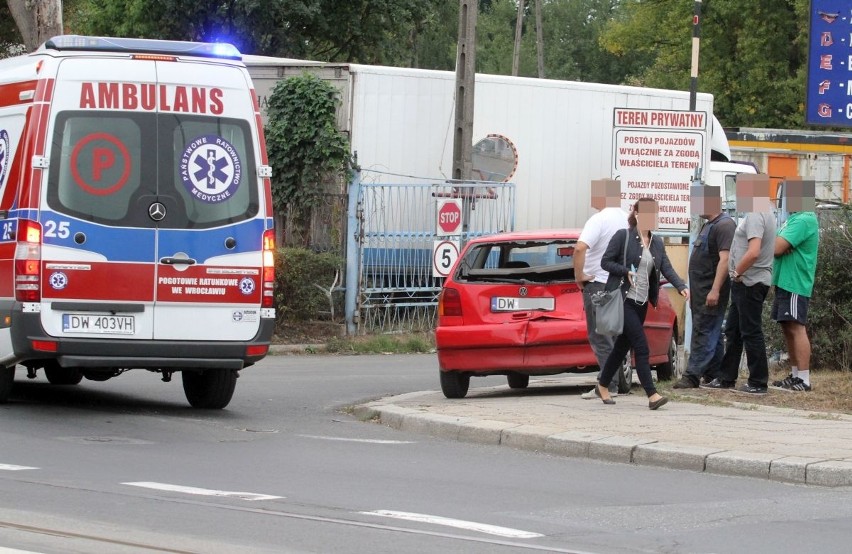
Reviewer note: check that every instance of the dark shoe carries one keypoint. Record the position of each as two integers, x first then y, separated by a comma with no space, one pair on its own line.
749,389
657,403
608,401
717,385
685,382
785,383
795,384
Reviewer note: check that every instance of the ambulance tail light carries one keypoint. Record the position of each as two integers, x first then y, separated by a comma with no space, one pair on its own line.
268,288
28,262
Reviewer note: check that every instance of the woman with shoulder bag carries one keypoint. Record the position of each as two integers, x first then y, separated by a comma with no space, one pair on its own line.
637,271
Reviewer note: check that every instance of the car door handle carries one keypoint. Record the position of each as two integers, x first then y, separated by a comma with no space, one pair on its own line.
170,260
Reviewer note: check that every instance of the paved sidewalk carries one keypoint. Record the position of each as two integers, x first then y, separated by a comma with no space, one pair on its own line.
734,439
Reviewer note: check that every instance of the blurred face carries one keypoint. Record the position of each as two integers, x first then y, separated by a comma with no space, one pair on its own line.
606,193
647,216
705,201
801,195
753,193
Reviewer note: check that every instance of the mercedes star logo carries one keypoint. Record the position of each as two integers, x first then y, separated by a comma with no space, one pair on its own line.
157,211
522,291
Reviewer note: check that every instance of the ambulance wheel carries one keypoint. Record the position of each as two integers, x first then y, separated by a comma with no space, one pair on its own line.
210,389
7,376
58,375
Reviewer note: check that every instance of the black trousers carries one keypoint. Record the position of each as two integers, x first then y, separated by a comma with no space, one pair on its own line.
744,329
633,336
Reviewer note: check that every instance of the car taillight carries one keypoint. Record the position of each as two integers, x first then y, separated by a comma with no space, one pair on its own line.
28,262
268,299
450,303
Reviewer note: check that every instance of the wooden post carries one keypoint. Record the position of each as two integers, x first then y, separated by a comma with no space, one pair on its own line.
539,39
519,25
465,78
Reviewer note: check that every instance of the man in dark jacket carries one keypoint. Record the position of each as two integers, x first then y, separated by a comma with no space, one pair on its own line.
709,286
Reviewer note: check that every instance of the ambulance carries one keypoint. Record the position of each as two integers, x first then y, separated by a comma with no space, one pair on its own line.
136,227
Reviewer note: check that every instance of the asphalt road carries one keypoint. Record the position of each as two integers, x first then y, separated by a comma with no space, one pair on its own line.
127,466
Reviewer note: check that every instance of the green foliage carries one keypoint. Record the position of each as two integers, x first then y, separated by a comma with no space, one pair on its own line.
381,344
11,41
752,54
830,310
298,271
306,151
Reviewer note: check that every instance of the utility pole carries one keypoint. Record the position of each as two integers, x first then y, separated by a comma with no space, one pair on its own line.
696,42
519,25
539,39
465,78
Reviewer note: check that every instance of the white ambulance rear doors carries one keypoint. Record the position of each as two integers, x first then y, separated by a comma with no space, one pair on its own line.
152,208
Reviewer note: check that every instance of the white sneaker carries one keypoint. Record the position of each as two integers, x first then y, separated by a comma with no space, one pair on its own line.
591,394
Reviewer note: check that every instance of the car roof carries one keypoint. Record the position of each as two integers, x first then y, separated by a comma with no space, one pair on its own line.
537,234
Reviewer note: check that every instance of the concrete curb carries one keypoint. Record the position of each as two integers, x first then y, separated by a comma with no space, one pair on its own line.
611,448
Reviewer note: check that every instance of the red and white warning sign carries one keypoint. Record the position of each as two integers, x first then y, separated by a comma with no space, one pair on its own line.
449,217
656,154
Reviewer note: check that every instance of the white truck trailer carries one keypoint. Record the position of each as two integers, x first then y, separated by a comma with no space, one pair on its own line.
400,123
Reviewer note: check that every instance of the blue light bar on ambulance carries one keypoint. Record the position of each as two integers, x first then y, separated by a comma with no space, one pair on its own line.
137,45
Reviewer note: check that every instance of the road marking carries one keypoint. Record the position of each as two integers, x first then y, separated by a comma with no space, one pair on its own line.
347,439
13,551
10,467
458,523
202,492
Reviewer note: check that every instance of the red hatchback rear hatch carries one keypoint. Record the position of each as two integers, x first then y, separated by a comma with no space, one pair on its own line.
511,306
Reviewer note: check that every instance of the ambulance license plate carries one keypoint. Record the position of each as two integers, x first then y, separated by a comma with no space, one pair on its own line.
106,324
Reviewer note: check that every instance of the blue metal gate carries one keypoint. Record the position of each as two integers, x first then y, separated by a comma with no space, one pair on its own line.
392,230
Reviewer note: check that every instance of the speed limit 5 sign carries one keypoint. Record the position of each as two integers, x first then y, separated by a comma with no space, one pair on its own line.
444,256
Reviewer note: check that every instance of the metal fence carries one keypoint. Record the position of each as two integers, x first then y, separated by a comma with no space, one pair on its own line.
391,284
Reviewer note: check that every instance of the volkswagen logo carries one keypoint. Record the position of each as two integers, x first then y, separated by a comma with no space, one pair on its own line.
157,211
522,291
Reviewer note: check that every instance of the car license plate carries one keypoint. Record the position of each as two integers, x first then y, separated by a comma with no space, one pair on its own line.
511,304
107,324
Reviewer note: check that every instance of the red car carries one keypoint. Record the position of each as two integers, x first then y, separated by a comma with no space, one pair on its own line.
511,307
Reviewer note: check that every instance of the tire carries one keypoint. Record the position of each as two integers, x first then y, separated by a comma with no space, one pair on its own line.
670,369
625,374
7,377
518,380
454,384
58,375
211,389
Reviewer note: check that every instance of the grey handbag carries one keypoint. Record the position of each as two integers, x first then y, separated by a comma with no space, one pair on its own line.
609,305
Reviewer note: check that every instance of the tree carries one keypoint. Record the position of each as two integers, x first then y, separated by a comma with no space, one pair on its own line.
37,20
307,152
752,54
11,41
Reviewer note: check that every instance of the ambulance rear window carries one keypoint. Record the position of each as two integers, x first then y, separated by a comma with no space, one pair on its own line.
110,167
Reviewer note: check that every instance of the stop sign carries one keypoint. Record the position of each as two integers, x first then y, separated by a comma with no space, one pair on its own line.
449,217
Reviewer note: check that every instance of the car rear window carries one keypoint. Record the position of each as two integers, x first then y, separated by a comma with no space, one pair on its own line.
539,261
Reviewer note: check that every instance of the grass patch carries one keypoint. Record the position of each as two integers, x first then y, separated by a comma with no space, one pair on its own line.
415,343
831,394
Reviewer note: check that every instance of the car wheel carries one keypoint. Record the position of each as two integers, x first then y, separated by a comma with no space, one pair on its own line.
58,375
210,389
518,380
669,370
454,384
625,375
7,377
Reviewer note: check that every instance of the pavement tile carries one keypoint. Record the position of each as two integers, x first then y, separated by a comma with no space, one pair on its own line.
528,437
732,462
833,473
676,456
792,469
615,449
